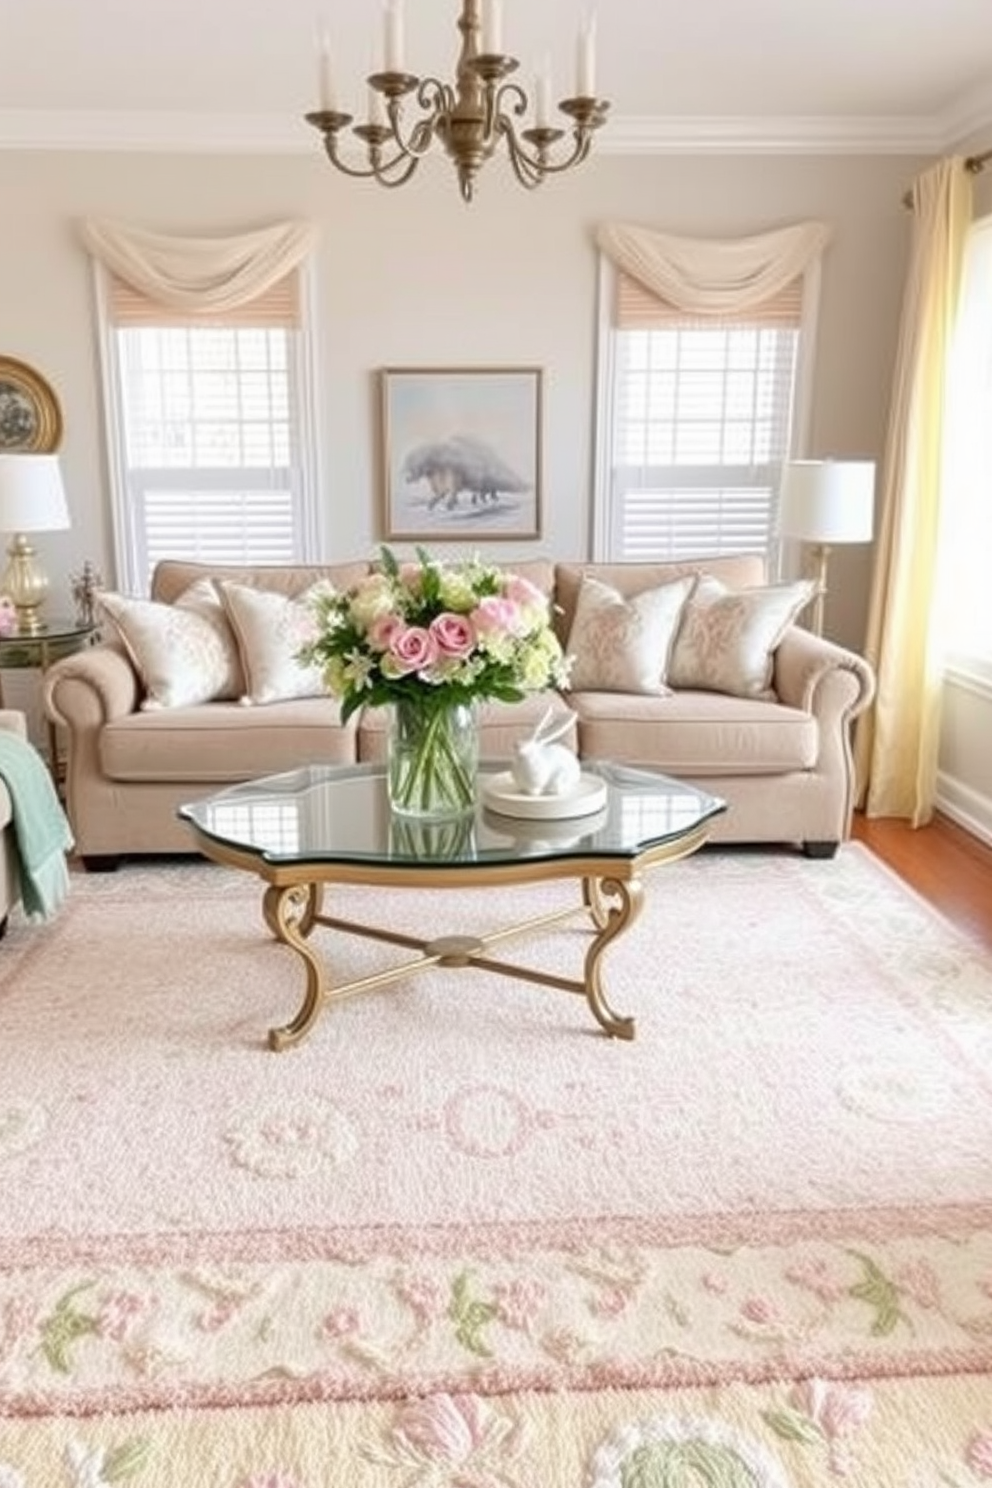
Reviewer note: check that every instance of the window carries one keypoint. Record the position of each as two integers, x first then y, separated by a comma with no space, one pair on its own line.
695,421
208,433
966,499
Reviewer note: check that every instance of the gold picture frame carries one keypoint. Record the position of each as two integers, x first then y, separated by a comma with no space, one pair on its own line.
461,453
30,416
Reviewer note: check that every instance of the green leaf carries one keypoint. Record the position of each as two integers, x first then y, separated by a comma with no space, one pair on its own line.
470,1317
688,1464
65,1325
124,1461
792,1425
389,563
879,1293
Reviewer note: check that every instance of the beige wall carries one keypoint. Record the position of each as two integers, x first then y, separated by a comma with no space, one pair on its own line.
416,277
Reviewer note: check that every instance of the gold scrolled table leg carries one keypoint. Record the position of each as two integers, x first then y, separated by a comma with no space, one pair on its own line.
290,914
611,920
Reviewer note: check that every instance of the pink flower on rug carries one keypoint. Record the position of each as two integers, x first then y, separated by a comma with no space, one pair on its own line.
423,1295
759,1310
340,1322
610,1302
118,1310
978,1454
838,1410
713,1283
518,1303
459,1431
919,1280
815,1275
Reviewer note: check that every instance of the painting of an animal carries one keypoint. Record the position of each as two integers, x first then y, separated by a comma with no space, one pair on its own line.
461,466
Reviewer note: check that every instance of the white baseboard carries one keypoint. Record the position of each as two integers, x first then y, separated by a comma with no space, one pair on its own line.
965,806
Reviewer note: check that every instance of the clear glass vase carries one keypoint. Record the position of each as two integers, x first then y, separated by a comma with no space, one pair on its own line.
432,758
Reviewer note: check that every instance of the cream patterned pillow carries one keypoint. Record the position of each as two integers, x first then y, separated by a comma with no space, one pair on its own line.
623,645
184,653
270,629
727,639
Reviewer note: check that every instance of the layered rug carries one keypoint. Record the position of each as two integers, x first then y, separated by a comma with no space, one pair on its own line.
459,1238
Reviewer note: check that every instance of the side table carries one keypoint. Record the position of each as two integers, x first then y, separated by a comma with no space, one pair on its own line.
60,638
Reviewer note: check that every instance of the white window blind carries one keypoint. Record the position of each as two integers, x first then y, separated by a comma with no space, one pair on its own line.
209,429
695,421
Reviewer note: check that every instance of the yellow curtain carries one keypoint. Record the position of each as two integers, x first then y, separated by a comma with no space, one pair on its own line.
897,739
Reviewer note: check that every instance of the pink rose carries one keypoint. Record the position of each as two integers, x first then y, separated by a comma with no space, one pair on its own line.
411,576
523,592
381,632
412,648
495,616
453,633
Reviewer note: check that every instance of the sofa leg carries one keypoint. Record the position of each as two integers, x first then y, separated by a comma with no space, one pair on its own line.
101,863
3,926
820,849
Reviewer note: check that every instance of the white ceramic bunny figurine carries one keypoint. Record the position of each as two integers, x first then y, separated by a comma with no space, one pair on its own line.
540,766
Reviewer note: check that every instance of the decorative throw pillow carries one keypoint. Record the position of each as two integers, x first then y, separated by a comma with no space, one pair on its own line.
184,653
270,629
727,639
623,645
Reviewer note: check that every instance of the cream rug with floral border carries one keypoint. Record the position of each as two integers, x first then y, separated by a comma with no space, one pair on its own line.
458,1239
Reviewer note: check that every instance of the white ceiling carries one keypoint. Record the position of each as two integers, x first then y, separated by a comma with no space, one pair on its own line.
859,74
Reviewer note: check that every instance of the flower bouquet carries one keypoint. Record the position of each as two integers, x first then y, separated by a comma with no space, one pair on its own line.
432,639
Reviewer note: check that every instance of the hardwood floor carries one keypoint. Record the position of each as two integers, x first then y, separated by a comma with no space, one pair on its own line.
944,863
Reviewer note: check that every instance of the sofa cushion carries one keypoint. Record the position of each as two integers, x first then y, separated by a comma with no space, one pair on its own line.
270,629
696,733
224,741
623,645
727,638
184,653
741,571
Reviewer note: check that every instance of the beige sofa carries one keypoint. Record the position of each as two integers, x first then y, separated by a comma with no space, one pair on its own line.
10,883
782,764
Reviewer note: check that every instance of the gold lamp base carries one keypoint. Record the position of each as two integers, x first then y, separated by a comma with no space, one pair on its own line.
26,585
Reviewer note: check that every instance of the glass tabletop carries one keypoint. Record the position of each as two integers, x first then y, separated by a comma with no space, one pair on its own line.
341,813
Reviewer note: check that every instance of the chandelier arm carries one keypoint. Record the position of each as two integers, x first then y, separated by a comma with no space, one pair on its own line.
530,168
378,170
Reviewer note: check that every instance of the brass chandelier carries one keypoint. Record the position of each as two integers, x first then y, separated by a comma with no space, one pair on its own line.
470,116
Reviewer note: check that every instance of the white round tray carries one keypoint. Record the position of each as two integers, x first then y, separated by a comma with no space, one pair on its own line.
501,795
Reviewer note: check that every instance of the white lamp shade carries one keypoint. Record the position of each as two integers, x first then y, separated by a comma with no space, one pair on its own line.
827,501
32,497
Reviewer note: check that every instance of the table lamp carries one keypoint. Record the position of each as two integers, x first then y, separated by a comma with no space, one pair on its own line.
32,499
824,502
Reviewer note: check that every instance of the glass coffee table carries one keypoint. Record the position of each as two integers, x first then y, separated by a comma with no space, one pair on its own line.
331,824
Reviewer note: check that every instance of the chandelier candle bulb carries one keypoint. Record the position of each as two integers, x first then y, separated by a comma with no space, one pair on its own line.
328,97
393,21
542,97
586,60
492,29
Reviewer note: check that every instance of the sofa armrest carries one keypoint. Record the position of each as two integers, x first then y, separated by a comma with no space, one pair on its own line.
818,676
90,688
13,721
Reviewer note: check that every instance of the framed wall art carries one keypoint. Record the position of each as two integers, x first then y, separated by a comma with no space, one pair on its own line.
30,416
461,453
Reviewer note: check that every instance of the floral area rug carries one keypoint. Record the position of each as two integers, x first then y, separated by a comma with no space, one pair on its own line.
460,1239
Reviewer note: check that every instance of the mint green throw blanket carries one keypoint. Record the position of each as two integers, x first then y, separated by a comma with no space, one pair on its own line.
41,831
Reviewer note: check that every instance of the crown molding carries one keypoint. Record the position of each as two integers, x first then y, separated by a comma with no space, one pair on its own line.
277,134
745,135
